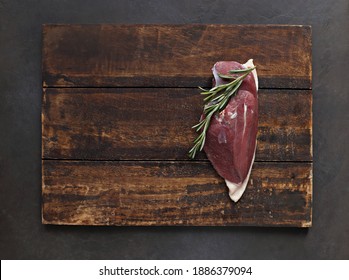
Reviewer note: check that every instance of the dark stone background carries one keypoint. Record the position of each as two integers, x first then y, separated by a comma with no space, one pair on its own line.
22,236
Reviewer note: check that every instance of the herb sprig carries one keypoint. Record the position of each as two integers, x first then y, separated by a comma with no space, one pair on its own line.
216,100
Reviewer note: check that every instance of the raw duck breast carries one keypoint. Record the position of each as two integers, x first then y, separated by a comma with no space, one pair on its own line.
231,138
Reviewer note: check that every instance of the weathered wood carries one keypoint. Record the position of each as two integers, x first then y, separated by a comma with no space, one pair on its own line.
144,123
119,102
173,193
172,55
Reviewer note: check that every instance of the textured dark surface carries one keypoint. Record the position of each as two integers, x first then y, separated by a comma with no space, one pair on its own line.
147,193
165,55
153,123
23,236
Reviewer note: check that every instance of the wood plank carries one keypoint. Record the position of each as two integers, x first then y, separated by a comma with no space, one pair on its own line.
172,55
155,123
173,193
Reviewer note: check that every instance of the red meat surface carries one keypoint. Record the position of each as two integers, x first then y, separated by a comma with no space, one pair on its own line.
231,138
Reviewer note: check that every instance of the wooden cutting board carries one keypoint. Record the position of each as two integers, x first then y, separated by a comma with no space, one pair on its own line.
118,105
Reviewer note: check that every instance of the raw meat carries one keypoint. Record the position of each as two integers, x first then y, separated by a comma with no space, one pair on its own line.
231,138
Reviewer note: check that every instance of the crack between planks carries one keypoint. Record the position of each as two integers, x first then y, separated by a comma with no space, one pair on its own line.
166,160
149,87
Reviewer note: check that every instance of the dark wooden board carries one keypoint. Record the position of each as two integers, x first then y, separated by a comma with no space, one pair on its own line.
173,193
112,124
118,105
172,55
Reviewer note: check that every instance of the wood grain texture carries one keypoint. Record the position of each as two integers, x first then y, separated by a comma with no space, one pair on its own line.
143,123
118,105
172,55
173,193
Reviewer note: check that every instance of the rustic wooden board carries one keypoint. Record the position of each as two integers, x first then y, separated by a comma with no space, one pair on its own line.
118,104
172,55
112,124
172,193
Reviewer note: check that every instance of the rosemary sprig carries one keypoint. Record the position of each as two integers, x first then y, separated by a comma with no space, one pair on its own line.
215,101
